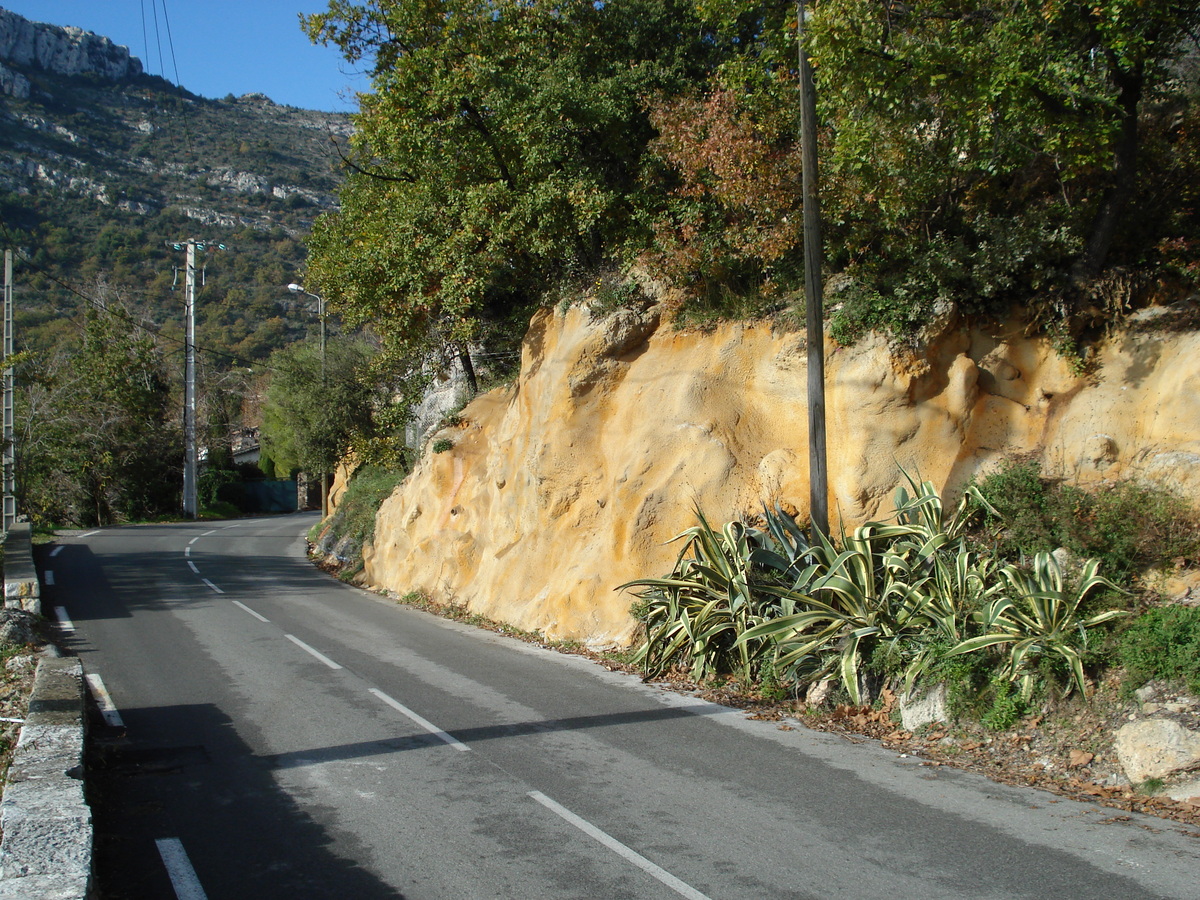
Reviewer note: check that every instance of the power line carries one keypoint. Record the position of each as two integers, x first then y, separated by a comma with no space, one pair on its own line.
170,42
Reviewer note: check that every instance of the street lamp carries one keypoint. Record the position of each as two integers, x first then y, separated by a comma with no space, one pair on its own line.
299,289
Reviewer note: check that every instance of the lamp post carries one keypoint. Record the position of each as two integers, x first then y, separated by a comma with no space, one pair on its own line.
299,289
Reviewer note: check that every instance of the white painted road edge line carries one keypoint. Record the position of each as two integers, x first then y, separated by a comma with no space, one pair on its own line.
679,887
207,533
243,606
211,585
108,709
88,533
192,565
192,541
64,621
424,723
57,550
317,653
179,867
48,575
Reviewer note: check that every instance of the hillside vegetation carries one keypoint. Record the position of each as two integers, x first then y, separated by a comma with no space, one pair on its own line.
104,172
100,179
1044,155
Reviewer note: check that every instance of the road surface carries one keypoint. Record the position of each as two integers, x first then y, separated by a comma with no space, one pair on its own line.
270,732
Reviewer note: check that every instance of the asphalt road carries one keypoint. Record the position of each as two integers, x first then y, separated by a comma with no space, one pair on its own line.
276,734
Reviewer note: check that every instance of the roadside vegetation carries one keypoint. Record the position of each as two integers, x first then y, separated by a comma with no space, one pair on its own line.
1006,603
1043,158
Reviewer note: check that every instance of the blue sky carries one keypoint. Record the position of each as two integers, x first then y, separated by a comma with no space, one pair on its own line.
221,47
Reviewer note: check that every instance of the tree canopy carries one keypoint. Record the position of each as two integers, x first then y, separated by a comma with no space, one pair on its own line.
99,444
978,152
501,148
316,408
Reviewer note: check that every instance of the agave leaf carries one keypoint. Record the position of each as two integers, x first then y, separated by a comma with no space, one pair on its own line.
849,670
979,642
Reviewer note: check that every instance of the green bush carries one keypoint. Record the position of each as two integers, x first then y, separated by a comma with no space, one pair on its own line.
1007,705
1163,643
353,523
1128,526
1132,526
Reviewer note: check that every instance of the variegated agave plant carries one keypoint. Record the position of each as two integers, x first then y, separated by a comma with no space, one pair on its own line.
1036,615
695,615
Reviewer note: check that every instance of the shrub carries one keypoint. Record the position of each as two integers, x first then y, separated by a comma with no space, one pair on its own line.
441,445
1133,525
353,524
1128,526
1163,643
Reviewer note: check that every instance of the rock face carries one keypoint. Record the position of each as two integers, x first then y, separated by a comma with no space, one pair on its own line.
568,483
63,51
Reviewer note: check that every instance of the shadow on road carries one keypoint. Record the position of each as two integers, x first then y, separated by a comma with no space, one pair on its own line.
244,836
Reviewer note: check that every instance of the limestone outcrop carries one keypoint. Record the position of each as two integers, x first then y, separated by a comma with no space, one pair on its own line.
63,51
571,481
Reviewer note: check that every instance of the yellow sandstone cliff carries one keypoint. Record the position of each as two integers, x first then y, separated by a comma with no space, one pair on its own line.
568,483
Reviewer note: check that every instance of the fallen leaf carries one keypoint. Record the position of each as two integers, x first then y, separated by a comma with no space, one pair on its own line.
1079,758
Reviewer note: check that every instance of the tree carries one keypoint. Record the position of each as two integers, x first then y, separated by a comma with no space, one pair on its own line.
99,444
314,411
976,152
991,144
500,148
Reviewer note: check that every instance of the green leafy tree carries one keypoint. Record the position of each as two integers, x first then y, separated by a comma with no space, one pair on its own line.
500,148
315,410
99,443
972,152
992,146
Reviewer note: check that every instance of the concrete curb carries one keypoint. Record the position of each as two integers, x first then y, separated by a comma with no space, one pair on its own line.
21,587
46,852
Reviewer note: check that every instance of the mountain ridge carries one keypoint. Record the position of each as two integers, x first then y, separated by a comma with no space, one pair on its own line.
61,50
103,166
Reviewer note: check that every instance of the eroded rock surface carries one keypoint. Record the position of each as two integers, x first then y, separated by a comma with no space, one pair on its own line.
571,481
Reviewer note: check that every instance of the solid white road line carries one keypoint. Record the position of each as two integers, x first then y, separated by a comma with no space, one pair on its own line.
679,887
243,606
211,585
48,576
57,550
192,541
108,709
179,867
317,653
64,621
207,533
424,723
88,533
192,566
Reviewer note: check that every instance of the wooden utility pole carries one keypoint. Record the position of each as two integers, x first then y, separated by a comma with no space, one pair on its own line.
818,474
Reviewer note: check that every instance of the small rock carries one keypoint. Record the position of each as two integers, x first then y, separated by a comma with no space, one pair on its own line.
818,692
17,627
923,709
1156,748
